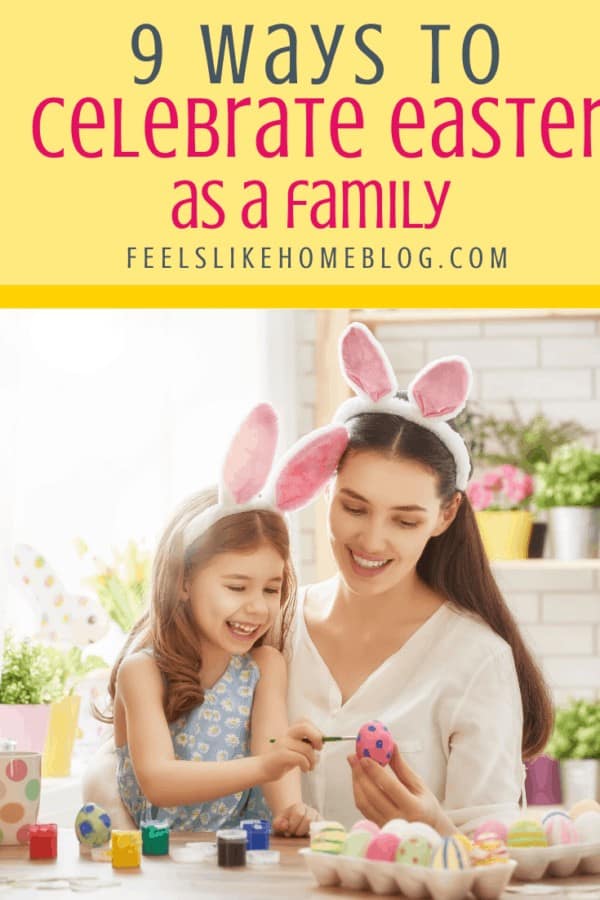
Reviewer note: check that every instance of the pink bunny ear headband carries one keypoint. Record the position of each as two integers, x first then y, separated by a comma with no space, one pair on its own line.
437,393
247,481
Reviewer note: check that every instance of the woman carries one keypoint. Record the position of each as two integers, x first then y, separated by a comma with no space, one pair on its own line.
413,629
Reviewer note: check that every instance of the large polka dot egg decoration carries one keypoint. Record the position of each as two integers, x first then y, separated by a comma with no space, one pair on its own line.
92,825
375,742
414,851
19,795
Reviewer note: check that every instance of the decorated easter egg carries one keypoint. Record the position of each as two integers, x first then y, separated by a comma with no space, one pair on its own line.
584,806
420,829
395,826
414,851
451,854
465,842
383,847
526,833
92,825
559,828
329,839
488,849
357,842
492,826
588,827
375,741
365,825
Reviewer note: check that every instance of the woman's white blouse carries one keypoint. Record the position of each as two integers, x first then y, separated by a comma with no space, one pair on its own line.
451,700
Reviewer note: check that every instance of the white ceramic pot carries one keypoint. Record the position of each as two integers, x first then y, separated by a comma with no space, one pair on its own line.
580,780
575,532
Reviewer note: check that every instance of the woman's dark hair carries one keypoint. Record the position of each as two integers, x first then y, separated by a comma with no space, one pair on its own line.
454,563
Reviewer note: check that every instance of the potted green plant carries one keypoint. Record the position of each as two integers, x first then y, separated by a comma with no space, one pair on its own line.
517,441
575,742
569,487
38,704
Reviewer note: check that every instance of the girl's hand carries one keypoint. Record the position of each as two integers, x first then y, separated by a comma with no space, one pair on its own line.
295,749
295,820
395,792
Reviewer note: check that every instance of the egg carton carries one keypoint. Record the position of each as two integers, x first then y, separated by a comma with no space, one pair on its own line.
561,860
356,873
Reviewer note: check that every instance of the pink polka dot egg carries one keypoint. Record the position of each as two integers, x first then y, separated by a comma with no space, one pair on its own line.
374,741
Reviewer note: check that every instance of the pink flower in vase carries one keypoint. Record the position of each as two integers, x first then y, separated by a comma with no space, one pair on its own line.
504,487
492,479
479,495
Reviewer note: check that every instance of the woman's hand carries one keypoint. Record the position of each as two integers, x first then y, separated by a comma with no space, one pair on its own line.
295,820
297,748
395,792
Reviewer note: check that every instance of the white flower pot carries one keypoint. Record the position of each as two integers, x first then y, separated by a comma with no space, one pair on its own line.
580,780
575,532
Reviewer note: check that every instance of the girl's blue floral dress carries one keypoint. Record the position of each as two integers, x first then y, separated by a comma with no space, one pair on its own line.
216,731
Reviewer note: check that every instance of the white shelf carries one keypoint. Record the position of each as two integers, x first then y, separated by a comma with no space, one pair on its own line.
545,564
375,317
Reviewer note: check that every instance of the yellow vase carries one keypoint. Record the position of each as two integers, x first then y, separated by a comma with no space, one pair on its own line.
62,730
505,532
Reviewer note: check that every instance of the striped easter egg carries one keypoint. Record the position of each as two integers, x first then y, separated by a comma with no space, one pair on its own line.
526,833
559,828
451,854
329,839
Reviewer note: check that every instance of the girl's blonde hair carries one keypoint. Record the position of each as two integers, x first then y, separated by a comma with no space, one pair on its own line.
168,626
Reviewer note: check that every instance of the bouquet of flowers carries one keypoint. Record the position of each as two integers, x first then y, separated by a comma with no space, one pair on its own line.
120,584
504,487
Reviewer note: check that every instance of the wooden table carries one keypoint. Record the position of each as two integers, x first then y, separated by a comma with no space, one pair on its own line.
161,877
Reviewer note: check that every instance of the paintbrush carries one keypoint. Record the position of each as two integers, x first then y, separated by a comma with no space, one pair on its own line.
326,739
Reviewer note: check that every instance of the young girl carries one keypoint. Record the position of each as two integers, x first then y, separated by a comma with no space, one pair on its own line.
413,629
196,691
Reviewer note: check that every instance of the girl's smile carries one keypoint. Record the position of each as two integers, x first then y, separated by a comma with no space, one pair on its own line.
235,598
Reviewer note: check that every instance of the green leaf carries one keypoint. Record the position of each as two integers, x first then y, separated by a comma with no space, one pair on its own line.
576,733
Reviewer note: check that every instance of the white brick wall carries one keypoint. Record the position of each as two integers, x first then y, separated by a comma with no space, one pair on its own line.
551,366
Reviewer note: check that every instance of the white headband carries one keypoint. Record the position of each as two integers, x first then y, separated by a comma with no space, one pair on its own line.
299,476
437,393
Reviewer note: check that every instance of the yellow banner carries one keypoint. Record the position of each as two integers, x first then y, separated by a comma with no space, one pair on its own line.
391,144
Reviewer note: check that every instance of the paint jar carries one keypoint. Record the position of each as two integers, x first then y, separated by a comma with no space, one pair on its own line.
258,831
231,847
155,838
